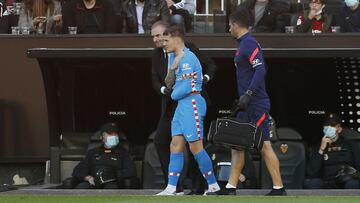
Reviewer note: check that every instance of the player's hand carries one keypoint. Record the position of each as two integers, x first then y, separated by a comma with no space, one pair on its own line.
243,102
177,59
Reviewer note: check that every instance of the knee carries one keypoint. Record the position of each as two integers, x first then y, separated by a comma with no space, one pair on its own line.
196,147
175,146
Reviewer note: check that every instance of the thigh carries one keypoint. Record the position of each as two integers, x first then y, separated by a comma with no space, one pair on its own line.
193,121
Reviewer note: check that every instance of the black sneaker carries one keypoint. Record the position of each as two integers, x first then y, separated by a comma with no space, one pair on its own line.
194,192
223,191
277,192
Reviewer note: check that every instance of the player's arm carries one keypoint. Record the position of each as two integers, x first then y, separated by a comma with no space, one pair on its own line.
256,60
186,79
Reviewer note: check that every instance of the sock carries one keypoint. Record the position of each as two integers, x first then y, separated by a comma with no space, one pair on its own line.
175,167
205,166
277,187
228,186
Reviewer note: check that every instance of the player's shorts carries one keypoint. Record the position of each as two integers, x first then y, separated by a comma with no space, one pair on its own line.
252,115
189,117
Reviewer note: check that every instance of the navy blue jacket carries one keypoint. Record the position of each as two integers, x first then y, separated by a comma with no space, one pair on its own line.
349,20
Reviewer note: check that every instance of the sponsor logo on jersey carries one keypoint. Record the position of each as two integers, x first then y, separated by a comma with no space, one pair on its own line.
185,66
256,62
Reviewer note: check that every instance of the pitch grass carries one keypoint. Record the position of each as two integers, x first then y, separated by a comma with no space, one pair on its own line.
183,199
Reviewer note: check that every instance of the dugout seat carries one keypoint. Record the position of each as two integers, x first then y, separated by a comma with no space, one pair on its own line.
290,150
153,177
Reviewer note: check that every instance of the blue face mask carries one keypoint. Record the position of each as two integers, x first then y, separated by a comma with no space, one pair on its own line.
111,141
329,132
351,3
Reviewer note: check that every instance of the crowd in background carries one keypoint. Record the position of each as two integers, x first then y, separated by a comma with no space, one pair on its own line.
137,16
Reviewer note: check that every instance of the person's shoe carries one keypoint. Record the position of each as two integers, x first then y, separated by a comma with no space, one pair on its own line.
223,191
194,192
180,193
277,192
166,193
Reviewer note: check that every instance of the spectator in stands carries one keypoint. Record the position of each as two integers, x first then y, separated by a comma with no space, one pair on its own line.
140,15
315,20
335,155
266,15
108,166
89,16
181,12
349,17
159,70
41,15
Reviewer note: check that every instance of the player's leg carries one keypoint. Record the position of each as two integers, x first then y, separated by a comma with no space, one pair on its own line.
176,164
193,133
205,164
270,158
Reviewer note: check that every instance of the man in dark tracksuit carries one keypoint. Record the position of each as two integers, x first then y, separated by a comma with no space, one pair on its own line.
105,167
254,102
333,154
159,70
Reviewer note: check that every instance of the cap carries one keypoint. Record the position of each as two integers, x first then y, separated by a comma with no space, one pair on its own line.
109,128
332,119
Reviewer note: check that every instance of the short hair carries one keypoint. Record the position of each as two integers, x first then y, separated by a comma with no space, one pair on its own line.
160,23
175,31
240,17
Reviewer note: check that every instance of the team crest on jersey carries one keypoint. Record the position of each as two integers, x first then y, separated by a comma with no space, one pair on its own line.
256,62
185,66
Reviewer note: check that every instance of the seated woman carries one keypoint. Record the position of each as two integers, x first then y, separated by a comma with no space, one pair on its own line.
315,20
41,16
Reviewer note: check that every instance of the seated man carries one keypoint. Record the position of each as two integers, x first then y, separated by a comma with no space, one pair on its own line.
333,156
315,20
140,15
349,17
265,15
89,16
105,167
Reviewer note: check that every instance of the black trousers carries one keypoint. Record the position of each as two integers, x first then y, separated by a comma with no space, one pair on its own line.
162,143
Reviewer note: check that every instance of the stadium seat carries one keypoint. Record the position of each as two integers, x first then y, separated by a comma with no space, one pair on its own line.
353,135
152,172
290,151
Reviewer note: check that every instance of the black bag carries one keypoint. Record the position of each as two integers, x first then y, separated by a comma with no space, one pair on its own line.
230,132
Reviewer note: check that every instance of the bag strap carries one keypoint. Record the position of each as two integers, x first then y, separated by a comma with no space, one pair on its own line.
261,119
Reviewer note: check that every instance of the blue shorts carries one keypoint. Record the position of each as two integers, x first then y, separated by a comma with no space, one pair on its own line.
189,117
252,115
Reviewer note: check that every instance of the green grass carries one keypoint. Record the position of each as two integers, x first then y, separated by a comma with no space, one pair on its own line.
184,199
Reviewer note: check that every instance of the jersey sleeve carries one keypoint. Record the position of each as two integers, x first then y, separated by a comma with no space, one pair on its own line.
186,77
256,60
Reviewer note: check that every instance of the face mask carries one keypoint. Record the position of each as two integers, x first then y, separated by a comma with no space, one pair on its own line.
112,141
351,3
329,132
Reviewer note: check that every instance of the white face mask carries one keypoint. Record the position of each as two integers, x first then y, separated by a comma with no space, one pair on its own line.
351,3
